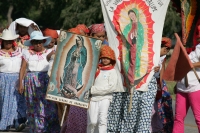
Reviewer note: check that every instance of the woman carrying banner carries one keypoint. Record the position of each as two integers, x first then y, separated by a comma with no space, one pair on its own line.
188,94
162,114
104,85
12,108
42,114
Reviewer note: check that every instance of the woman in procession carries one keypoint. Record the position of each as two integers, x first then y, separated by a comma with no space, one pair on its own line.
188,94
24,27
41,113
12,104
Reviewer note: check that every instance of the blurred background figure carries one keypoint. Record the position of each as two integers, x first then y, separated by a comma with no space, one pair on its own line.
24,27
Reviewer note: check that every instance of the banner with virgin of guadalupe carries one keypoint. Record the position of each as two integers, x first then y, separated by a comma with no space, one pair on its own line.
134,29
74,69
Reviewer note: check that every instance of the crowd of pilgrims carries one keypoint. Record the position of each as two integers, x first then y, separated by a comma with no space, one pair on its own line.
24,74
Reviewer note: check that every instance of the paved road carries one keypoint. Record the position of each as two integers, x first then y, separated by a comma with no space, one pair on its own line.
190,125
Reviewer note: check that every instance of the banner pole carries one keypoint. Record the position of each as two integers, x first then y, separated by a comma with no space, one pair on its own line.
196,74
131,99
63,116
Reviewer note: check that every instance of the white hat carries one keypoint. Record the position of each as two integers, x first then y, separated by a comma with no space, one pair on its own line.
8,35
37,35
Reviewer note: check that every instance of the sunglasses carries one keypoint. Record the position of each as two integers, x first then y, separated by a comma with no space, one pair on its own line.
35,42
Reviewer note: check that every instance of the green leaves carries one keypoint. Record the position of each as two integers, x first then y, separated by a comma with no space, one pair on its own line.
172,22
81,11
65,14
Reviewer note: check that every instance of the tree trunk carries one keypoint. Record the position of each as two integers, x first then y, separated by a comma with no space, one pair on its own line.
9,14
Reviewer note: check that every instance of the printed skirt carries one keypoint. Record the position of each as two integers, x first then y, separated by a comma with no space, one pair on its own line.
138,120
12,104
42,114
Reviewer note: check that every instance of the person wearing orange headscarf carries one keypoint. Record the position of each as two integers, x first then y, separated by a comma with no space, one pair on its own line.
104,85
83,29
80,29
54,35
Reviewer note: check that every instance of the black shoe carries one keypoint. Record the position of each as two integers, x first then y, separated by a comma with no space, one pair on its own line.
4,131
20,127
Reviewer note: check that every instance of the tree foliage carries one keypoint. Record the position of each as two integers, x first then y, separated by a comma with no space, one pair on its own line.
64,14
172,22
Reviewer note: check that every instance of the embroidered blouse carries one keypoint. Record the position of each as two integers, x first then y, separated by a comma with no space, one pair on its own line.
36,60
10,62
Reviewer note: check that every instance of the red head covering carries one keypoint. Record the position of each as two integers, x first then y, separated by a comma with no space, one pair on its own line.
107,52
166,41
51,33
74,30
97,28
83,28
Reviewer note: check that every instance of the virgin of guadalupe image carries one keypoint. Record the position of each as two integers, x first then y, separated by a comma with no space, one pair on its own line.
76,59
134,34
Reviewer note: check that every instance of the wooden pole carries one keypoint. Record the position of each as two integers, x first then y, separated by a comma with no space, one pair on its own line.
63,116
196,74
131,99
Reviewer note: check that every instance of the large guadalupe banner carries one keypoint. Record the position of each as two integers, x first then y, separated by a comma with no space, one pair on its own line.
74,69
134,30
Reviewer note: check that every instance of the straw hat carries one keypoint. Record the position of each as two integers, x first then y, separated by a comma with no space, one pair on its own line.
8,35
37,35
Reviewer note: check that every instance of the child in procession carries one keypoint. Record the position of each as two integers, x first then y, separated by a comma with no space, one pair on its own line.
104,85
